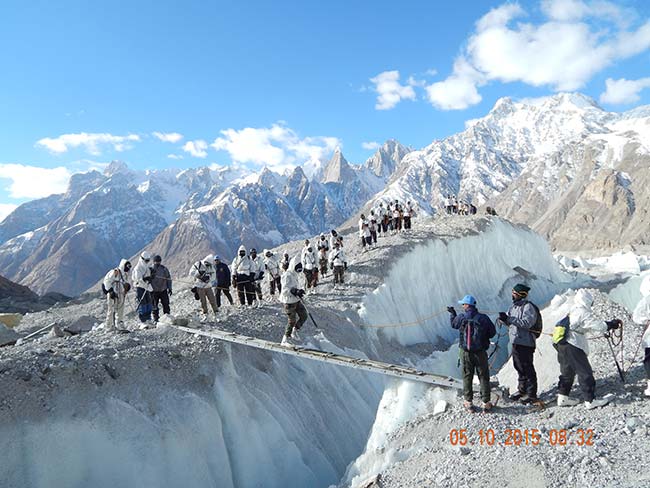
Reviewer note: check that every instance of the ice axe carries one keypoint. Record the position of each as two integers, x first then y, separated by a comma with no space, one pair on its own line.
309,313
608,336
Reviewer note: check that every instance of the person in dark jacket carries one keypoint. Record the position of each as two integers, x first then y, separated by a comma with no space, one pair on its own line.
222,281
521,318
162,287
476,330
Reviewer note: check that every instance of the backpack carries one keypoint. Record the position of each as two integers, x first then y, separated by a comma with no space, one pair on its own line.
536,329
561,331
473,335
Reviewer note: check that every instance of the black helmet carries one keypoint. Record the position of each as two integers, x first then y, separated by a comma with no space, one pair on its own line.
253,250
157,259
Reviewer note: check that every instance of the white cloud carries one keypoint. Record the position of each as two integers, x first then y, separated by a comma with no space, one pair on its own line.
390,91
277,147
622,91
174,156
563,52
370,146
34,181
90,142
172,137
6,209
198,148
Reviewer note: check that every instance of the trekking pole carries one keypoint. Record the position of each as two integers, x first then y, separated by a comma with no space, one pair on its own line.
608,336
636,351
309,313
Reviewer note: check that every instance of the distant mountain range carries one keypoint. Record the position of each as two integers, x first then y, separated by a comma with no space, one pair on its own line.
561,164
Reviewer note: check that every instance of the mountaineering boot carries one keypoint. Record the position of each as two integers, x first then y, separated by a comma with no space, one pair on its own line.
566,401
286,341
598,402
487,407
294,335
527,400
647,390
516,396
469,406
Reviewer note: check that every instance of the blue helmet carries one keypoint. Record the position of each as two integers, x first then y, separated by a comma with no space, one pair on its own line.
467,300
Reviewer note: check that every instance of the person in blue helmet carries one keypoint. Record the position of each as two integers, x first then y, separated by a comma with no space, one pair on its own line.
476,329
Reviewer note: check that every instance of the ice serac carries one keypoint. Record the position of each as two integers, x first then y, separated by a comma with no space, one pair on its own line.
436,275
247,419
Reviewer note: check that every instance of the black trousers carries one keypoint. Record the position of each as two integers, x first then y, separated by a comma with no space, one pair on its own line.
217,293
160,297
407,223
373,236
646,362
245,289
573,361
522,359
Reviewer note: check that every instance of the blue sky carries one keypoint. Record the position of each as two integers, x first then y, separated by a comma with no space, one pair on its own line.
280,83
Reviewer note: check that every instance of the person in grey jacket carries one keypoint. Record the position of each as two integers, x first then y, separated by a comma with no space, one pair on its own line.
162,287
521,318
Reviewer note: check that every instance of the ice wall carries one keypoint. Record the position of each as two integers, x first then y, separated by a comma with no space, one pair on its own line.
271,420
628,294
439,273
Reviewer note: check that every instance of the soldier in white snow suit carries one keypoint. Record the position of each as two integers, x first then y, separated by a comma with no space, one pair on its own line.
408,213
338,263
449,206
273,269
117,284
258,274
322,261
309,265
142,277
373,226
364,232
333,238
242,277
290,296
204,275
570,341
397,219
323,243
381,214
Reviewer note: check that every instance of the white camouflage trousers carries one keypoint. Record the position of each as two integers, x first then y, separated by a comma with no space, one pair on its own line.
115,310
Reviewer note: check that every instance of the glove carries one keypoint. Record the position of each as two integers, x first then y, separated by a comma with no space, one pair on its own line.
503,317
169,292
452,311
345,266
613,324
234,282
331,265
294,291
205,278
147,279
127,287
112,294
261,275
301,293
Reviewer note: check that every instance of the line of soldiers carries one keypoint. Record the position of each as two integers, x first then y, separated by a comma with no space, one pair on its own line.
454,206
211,277
391,219
523,319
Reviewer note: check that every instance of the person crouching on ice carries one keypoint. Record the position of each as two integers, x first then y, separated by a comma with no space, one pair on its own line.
570,342
290,296
476,330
